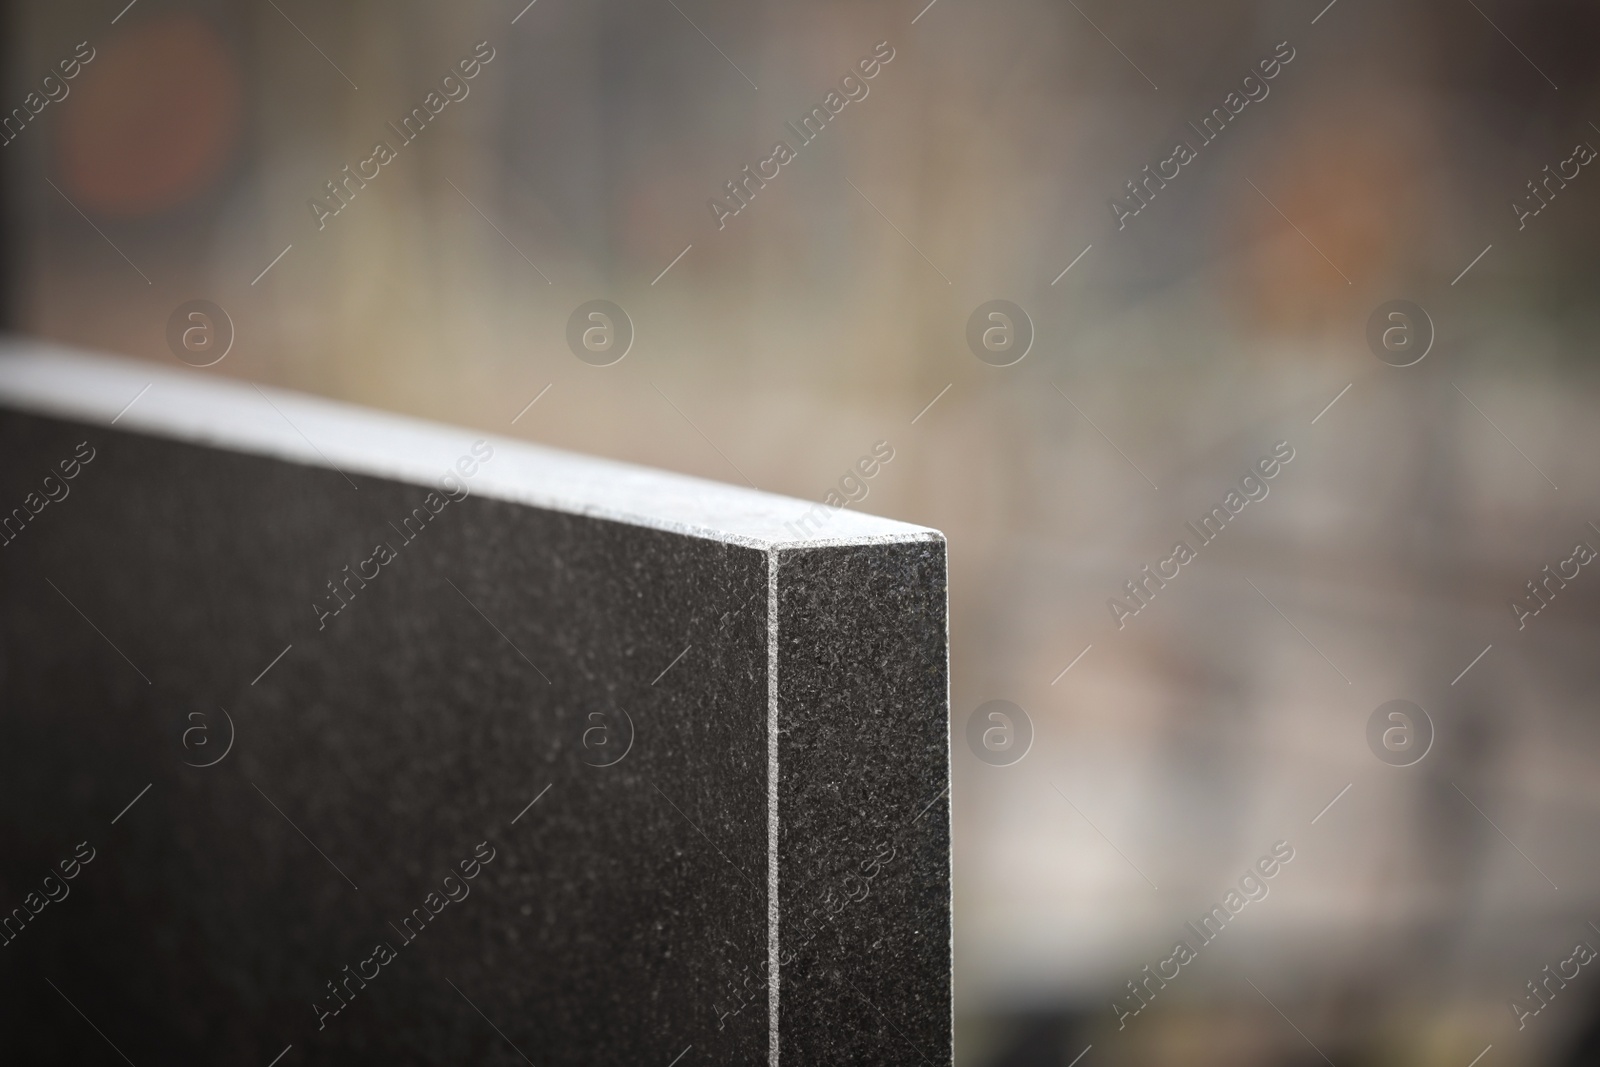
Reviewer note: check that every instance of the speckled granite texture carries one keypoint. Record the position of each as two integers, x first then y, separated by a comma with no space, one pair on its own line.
864,836
377,787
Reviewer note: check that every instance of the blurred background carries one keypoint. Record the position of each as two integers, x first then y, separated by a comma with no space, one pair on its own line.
1399,154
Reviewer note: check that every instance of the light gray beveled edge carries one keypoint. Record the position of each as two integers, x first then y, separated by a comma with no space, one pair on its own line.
202,407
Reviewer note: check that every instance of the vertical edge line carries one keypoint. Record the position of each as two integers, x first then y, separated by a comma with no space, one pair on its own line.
772,808
950,784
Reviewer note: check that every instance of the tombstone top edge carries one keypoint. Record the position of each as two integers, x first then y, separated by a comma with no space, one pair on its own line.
201,407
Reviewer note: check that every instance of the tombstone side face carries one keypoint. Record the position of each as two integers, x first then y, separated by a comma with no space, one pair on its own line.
397,737
863,805
619,673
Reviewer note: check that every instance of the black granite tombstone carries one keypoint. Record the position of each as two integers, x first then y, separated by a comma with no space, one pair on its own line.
338,737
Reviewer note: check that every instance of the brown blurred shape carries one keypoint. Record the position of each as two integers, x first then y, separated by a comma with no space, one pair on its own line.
156,119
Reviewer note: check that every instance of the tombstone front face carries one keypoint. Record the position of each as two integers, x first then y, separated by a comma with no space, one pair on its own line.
546,759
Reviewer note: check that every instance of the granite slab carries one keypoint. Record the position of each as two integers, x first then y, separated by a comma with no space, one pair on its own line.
365,739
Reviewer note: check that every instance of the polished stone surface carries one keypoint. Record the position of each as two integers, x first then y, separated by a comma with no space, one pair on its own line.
572,762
